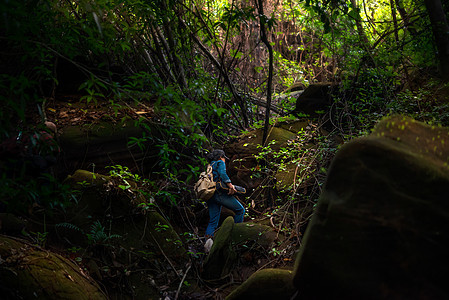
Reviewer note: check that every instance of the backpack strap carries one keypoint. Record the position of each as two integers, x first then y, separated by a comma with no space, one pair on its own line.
209,173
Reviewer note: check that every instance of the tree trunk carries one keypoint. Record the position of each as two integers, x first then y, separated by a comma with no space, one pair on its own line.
405,17
440,30
395,22
263,37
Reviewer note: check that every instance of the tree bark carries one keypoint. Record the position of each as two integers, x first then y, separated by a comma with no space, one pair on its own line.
440,30
405,17
177,63
395,22
263,37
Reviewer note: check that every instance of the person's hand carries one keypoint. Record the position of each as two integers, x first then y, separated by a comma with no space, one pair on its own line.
232,189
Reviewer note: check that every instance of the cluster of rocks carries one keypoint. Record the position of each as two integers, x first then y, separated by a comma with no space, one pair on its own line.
380,230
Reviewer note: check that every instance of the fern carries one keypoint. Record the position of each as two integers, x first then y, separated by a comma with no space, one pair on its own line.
68,226
98,235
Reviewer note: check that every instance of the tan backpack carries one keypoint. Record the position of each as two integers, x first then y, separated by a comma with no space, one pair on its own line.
205,186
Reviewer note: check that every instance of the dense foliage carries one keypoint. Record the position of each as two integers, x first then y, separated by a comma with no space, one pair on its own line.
204,69
210,70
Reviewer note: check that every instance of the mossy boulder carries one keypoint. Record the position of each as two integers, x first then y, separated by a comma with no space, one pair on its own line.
84,178
101,199
153,234
243,151
286,176
229,244
381,230
102,144
429,142
108,221
100,193
265,284
28,272
258,233
315,98
221,257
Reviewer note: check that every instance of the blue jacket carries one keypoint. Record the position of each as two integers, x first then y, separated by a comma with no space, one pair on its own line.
219,171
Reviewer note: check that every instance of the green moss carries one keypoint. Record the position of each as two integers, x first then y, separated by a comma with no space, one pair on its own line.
30,273
222,257
266,284
382,198
411,133
85,178
261,234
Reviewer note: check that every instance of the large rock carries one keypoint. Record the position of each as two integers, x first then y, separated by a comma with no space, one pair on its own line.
121,236
381,230
265,284
316,98
99,145
28,272
228,245
242,152
102,200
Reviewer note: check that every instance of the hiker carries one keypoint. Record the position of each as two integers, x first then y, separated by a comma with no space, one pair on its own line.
222,197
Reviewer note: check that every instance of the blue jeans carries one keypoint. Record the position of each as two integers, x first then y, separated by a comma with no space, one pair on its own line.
219,199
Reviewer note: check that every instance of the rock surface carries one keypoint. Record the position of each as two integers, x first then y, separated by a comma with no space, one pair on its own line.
101,200
266,284
380,230
316,97
122,237
28,272
381,227
242,152
99,145
228,240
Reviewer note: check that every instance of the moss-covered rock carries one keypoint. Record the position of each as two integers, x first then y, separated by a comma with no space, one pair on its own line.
221,258
229,244
242,152
84,178
152,233
380,230
429,142
99,195
104,144
285,177
266,284
102,200
260,234
109,222
316,97
28,272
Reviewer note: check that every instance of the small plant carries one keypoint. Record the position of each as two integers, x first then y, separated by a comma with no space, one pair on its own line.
124,174
92,88
161,227
68,226
40,238
276,252
145,206
73,249
98,235
83,183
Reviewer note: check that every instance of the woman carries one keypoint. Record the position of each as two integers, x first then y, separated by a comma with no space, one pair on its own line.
221,197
